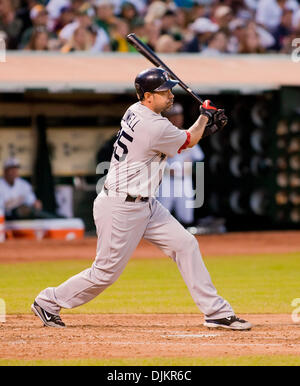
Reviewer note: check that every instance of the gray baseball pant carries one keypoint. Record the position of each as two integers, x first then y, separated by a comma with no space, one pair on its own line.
120,227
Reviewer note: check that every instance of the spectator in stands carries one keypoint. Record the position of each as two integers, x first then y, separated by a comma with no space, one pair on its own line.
168,22
83,18
101,41
39,18
250,41
242,8
296,21
128,13
266,39
222,16
78,4
286,34
187,21
140,5
19,199
167,44
66,16
82,40
198,10
10,24
217,44
236,28
105,17
23,12
169,25
287,44
155,12
56,7
181,20
284,30
269,12
147,33
118,32
202,28
39,40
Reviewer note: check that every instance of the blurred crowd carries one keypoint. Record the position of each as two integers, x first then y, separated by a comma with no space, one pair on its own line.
207,27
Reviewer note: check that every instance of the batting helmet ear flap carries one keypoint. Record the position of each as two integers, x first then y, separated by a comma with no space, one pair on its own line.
139,90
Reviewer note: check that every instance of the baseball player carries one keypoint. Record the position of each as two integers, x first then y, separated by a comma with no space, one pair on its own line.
126,209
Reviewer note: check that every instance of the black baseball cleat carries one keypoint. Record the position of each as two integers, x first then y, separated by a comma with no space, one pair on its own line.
48,319
231,323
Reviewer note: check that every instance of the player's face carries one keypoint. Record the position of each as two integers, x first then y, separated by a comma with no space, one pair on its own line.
162,100
10,174
158,101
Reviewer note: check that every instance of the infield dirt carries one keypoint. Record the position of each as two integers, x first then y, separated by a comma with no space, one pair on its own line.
144,336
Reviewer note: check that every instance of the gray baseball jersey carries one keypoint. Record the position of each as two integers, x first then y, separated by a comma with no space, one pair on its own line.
140,151
138,160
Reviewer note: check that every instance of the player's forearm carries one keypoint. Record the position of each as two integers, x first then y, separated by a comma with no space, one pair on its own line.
197,129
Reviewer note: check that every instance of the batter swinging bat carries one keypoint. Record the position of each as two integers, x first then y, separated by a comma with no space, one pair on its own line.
154,59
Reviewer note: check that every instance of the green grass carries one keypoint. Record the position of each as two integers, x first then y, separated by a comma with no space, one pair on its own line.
252,284
272,360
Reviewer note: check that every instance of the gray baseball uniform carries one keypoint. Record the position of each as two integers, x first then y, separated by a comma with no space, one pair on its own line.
126,211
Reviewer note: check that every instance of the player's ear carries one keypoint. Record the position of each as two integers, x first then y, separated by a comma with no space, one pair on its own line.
147,96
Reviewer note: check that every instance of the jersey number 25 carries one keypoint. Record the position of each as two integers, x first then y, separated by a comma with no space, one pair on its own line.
120,154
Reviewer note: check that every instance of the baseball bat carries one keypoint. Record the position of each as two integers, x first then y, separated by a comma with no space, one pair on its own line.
154,59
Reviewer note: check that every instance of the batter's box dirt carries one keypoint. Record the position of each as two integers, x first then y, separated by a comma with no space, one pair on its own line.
144,336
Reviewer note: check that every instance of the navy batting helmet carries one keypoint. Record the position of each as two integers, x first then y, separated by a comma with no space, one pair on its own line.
151,80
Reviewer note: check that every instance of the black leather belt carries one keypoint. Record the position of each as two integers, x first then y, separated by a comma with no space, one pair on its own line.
130,198
136,199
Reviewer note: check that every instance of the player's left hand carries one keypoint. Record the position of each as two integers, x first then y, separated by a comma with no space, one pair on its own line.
219,120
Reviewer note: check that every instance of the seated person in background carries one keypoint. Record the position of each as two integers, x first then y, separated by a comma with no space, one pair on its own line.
17,195
176,188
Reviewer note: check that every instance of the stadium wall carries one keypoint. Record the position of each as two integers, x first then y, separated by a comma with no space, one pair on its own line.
251,168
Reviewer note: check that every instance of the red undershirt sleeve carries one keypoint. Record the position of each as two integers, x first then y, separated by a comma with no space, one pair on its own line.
186,143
